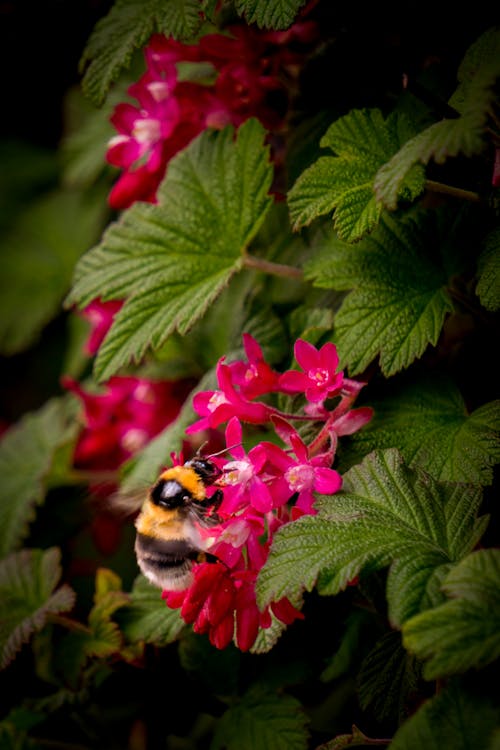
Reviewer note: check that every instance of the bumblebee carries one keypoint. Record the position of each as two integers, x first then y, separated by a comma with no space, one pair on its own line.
168,540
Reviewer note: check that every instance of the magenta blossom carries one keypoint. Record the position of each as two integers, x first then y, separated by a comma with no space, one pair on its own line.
217,407
319,380
303,476
254,376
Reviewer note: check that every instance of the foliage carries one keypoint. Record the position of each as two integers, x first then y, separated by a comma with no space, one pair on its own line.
297,180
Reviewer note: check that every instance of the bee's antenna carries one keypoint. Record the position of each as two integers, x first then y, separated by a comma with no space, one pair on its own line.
224,450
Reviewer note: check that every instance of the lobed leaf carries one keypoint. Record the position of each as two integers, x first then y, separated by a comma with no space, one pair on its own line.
385,515
488,285
427,421
172,260
398,300
271,14
262,720
455,717
125,29
28,581
147,618
464,632
37,448
363,141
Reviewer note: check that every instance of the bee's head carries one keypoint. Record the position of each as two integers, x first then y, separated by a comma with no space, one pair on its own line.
169,494
205,468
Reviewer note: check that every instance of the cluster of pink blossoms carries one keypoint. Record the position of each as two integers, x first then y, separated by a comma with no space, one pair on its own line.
251,74
267,487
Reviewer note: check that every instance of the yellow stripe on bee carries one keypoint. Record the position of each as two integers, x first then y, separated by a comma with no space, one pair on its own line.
159,522
188,478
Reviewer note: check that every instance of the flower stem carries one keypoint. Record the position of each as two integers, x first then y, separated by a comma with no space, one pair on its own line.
276,269
439,187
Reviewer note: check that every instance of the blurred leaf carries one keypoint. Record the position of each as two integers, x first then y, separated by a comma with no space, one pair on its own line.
271,14
217,670
488,285
38,261
27,171
262,721
88,131
485,51
342,661
464,632
388,679
453,718
28,581
398,301
172,260
385,513
126,28
147,618
101,637
427,420
475,99
363,142
34,453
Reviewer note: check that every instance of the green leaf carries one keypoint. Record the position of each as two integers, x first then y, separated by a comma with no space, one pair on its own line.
38,260
147,618
398,301
363,142
102,637
455,718
385,514
262,720
488,285
388,678
126,28
271,14
465,135
33,453
484,52
464,632
28,581
427,420
172,260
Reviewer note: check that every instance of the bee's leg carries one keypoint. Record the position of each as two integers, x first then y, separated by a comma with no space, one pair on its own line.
216,500
213,504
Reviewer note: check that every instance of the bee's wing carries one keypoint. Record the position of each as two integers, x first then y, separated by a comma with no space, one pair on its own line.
204,516
127,503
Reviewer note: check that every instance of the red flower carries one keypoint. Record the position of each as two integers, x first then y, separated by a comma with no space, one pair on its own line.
121,420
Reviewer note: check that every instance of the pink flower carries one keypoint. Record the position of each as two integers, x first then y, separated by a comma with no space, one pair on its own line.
247,81
319,380
304,475
254,377
242,480
219,406
100,316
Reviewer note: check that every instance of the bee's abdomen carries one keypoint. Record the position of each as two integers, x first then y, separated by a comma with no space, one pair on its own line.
166,551
166,563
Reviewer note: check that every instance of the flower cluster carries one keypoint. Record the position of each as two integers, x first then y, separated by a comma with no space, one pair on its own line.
117,422
267,487
247,73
